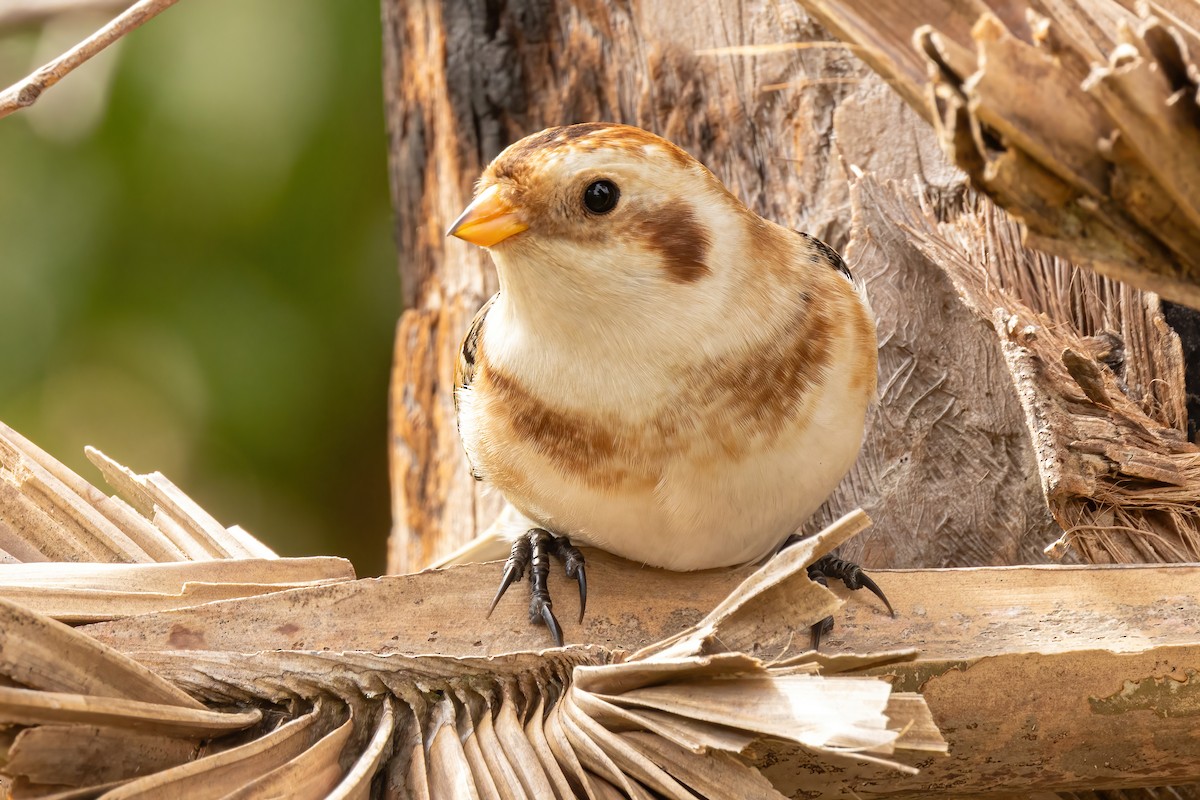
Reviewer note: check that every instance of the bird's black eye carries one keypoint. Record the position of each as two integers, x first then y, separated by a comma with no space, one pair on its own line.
600,197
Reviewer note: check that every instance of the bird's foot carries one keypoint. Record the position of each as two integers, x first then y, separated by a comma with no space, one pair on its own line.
533,551
849,573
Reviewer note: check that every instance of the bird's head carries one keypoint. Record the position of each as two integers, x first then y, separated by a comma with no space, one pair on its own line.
595,211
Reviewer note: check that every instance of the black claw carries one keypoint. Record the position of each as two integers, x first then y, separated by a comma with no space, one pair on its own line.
850,574
533,550
823,627
573,562
547,616
820,629
581,577
540,605
872,587
514,569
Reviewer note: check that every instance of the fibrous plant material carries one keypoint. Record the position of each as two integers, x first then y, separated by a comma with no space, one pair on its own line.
1080,119
695,684
200,712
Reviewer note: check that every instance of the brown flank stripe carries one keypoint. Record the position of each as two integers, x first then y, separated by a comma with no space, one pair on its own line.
767,388
738,402
598,450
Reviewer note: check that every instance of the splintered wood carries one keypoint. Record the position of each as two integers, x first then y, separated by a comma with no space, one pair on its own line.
49,513
1079,118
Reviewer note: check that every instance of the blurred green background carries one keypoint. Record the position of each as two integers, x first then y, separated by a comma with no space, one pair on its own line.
197,272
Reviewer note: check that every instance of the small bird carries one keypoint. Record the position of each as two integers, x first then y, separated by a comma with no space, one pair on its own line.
663,374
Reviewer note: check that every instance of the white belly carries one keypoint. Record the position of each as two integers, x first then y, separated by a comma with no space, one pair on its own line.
705,511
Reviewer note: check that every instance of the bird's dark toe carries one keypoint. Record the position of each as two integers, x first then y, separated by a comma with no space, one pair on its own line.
573,562
819,630
514,569
830,567
849,573
533,551
541,608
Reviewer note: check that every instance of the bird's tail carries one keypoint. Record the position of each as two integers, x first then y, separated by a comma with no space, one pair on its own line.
493,544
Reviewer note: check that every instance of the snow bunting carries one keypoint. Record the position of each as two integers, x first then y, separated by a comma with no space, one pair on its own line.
663,374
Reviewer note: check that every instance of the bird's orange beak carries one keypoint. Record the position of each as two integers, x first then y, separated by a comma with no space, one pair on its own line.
488,220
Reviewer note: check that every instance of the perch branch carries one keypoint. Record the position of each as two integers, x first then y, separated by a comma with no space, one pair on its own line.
1089,673
26,92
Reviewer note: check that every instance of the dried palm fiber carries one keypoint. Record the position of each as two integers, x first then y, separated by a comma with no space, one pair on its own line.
937,276
1117,469
1079,118
83,718
1003,84
1098,373
1096,369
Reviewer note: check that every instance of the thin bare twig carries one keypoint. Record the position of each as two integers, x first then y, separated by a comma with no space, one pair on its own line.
16,14
26,92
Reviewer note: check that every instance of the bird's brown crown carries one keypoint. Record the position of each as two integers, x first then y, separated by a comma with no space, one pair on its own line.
532,152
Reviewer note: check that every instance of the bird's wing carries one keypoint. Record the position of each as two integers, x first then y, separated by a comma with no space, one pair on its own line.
464,368
833,257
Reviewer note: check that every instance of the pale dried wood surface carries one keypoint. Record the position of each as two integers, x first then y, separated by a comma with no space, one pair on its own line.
1095,368
352,719
945,614
948,469
1075,676
1038,676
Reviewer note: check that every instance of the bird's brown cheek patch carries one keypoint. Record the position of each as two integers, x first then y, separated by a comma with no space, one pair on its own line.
674,233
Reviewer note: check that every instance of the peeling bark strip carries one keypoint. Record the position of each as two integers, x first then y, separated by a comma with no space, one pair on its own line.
1079,118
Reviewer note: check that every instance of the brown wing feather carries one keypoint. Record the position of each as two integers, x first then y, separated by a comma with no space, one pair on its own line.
831,256
468,356
464,369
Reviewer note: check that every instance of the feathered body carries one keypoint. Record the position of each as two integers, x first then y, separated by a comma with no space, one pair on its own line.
675,380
